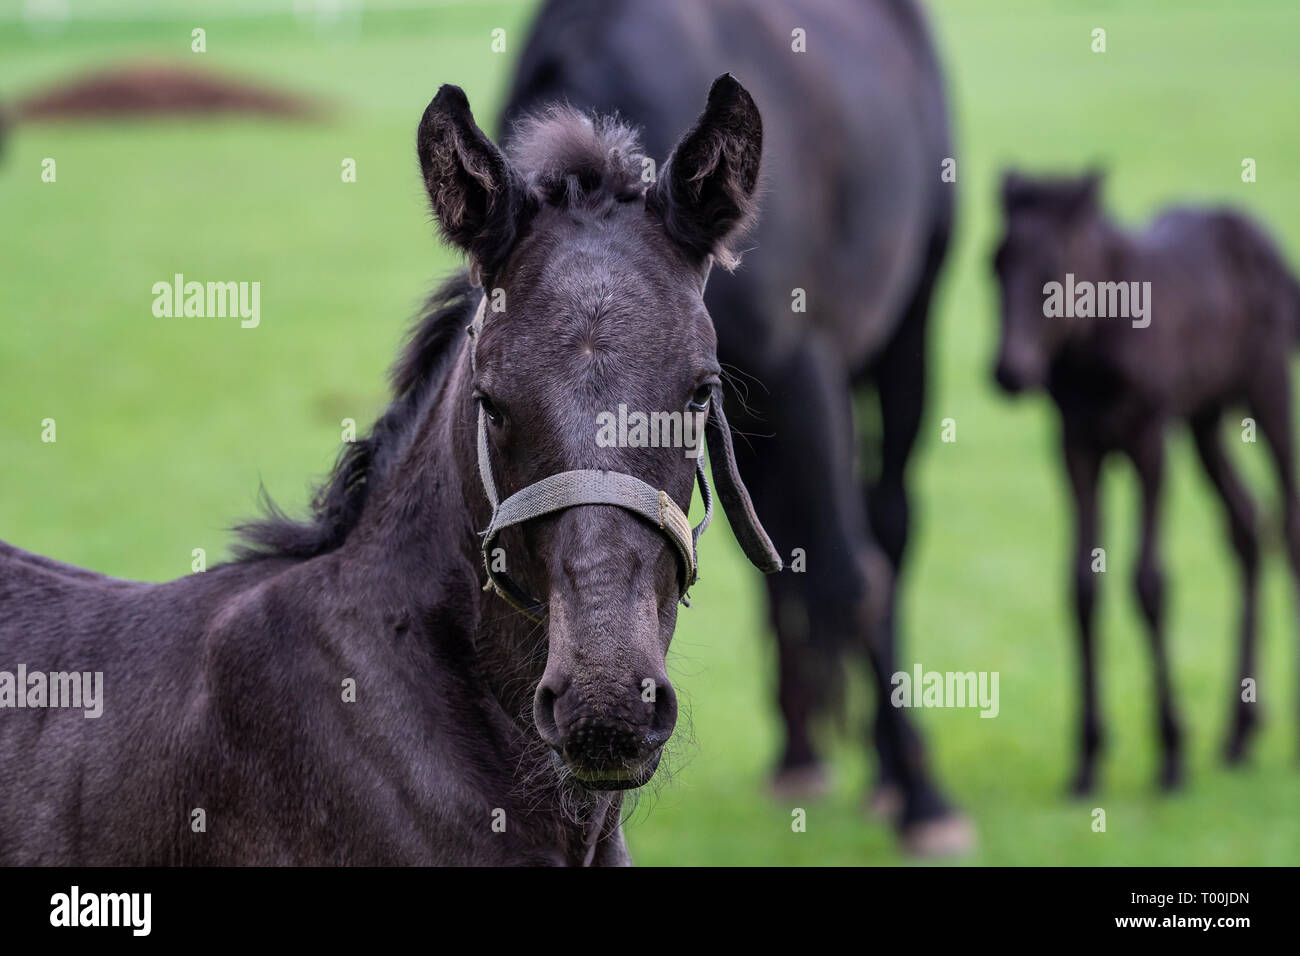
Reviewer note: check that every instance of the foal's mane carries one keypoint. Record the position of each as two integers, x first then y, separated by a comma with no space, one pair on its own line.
569,160
338,502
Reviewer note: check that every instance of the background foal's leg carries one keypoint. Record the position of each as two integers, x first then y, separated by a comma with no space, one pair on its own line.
1245,541
1083,466
1271,403
1148,456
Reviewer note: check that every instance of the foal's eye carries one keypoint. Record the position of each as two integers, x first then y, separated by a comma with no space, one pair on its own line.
700,400
490,410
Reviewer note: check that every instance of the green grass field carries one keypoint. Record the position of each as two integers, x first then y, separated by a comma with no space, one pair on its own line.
166,427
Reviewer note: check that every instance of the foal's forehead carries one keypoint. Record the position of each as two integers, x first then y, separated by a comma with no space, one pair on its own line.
607,285
1027,229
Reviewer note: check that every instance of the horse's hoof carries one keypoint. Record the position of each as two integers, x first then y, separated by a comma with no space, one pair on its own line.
949,835
805,782
885,803
1171,778
1234,752
1082,785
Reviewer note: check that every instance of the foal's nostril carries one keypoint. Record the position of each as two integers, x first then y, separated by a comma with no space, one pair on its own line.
544,715
665,715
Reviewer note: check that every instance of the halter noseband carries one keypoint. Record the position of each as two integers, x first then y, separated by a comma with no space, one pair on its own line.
569,489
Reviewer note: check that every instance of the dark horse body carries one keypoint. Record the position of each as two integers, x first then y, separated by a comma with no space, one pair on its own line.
472,735
856,219
1219,327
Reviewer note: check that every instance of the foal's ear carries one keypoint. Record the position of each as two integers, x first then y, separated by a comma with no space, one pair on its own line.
1090,185
705,194
1080,199
1015,187
481,203
1068,200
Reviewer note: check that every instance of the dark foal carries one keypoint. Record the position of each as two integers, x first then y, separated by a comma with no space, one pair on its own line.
1196,313
831,308
347,691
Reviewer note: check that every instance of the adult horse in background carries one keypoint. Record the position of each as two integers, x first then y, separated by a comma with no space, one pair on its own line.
833,298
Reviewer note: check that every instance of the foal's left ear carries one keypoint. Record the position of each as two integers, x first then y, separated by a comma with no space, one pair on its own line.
481,203
705,194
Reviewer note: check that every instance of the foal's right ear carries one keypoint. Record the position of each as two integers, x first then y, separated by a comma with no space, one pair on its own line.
1020,191
481,203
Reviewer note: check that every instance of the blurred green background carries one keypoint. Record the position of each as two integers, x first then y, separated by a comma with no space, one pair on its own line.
166,426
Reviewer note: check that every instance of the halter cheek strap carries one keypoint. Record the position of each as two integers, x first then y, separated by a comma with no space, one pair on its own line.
569,489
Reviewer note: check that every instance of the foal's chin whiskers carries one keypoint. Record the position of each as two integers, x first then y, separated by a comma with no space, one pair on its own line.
677,755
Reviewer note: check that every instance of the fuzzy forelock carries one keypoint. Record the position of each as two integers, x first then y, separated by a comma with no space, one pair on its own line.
570,158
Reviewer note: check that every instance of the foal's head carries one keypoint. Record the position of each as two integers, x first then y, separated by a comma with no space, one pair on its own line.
1047,234
594,270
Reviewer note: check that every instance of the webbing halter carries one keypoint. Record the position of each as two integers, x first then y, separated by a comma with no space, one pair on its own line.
569,489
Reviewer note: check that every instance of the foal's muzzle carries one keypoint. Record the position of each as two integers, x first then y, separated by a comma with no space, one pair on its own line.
609,751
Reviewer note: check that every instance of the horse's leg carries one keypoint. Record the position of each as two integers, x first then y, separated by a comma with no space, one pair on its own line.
800,772
1245,541
1147,453
1083,466
1271,403
801,480
900,378
929,826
